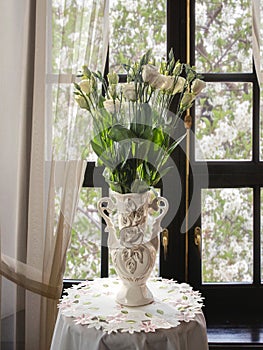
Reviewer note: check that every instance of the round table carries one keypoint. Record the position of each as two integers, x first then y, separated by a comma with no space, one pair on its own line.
90,319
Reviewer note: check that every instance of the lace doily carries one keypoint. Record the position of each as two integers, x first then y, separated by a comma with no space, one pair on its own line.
92,304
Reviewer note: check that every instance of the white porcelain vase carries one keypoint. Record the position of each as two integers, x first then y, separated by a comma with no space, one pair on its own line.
133,223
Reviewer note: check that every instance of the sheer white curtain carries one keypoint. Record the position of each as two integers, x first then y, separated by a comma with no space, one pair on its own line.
41,140
257,37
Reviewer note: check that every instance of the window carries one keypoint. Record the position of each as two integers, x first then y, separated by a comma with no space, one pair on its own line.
227,132
225,187
71,24
88,254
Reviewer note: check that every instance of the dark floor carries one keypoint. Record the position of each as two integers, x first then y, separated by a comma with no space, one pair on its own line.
230,337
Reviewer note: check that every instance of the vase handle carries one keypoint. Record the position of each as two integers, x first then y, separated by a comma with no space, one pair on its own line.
163,206
112,238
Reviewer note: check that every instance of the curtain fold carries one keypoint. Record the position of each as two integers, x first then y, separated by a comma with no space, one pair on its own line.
257,36
42,138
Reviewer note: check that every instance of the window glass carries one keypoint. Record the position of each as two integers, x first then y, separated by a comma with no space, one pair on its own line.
84,253
224,122
73,23
223,36
67,21
66,117
135,27
227,235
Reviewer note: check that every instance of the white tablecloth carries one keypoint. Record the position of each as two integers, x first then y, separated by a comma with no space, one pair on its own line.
76,328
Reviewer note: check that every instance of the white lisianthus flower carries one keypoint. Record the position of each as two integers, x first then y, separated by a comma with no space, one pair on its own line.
187,99
86,86
179,86
149,73
112,106
129,91
197,86
81,101
168,82
157,82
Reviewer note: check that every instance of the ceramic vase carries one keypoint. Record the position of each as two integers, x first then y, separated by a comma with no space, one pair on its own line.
133,223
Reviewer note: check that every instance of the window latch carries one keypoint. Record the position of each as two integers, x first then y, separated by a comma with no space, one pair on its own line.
165,240
197,238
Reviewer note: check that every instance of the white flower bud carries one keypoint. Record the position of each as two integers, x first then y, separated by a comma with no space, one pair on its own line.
197,86
112,106
149,73
179,86
187,99
81,101
86,86
129,91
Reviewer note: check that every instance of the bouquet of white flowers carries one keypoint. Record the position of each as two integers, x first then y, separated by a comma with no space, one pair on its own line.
132,123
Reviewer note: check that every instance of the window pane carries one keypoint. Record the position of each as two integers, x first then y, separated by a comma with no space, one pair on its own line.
84,253
227,235
136,26
71,126
73,24
223,36
224,122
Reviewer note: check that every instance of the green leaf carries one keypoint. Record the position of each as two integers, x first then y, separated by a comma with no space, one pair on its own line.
139,186
137,129
175,144
104,155
146,114
96,148
141,124
146,57
158,136
165,171
77,87
119,133
125,152
141,149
